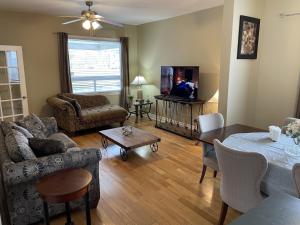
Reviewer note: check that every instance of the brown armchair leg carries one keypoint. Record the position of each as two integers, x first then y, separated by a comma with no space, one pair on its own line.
223,213
121,124
215,173
203,173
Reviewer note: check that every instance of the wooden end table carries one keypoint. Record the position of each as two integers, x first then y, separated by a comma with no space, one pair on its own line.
138,138
141,108
65,186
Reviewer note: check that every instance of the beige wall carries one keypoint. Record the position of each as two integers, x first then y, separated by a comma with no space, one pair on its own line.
238,76
190,40
36,34
263,91
279,69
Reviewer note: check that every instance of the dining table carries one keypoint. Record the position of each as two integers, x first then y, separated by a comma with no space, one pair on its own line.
278,177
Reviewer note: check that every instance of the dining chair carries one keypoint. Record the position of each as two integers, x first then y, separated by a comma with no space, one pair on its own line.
241,176
296,176
207,123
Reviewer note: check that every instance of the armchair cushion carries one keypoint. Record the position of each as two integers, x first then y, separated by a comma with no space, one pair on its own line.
7,128
45,147
105,112
68,142
50,124
34,125
18,147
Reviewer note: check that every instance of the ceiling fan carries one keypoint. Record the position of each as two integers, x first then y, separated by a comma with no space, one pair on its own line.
91,20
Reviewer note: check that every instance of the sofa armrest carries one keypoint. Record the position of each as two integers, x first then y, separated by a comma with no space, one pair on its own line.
61,104
32,170
51,125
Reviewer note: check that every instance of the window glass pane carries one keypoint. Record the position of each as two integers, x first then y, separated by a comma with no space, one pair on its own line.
3,76
4,92
9,119
2,58
6,108
13,74
18,108
16,91
11,59
95,65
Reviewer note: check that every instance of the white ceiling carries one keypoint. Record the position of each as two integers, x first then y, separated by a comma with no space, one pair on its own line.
132,12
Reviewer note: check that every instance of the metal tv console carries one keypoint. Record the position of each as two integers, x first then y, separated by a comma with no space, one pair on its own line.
176,115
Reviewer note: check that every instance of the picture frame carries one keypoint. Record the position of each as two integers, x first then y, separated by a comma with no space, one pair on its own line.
248,37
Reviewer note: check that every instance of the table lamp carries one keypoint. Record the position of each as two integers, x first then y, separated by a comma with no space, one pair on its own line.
139,80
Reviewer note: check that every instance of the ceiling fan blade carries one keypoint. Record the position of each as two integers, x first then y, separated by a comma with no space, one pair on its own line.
72,21
70,16
110,22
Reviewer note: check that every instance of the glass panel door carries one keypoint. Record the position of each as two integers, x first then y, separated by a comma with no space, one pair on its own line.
13,96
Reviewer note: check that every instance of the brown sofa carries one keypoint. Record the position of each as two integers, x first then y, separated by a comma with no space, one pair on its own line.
93,111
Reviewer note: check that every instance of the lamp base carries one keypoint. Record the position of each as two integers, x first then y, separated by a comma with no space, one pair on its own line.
139,94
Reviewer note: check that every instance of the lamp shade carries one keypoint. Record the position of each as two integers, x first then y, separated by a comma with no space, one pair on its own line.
139,80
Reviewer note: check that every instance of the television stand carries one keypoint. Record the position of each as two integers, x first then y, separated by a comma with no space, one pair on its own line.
176,115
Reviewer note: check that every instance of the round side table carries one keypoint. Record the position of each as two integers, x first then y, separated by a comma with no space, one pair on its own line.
65,186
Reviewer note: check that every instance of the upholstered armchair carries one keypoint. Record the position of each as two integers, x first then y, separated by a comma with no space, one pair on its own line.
75,112
20,202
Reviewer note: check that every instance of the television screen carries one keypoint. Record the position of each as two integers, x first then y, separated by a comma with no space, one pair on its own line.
180,81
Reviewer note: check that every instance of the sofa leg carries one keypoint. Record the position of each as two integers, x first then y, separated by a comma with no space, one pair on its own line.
121,124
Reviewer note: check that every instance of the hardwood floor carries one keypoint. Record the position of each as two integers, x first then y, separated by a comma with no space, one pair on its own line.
153,188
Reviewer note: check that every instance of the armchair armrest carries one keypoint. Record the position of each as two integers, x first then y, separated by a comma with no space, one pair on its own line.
32,170
51,125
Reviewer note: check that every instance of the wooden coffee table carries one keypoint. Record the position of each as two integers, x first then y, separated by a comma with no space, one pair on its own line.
138,138
65,186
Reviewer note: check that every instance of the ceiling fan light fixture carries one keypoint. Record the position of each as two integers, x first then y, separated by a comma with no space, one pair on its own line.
96,25
86,25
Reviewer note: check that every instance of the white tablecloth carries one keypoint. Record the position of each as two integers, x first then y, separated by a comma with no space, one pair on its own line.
279,173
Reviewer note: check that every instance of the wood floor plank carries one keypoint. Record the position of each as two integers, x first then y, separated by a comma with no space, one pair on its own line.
159,188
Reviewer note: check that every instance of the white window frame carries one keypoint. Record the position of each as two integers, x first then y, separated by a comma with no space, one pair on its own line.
101,39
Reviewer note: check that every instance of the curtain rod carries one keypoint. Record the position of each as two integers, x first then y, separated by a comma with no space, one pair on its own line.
282,15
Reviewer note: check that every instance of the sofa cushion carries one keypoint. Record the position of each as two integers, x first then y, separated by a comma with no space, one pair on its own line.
44,147
73,102
7,128
68,142
106,112
18,147
34,125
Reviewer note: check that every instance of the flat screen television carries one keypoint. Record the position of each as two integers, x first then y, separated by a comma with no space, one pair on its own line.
180,81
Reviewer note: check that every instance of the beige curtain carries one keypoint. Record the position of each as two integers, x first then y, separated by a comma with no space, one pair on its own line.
124,72
64,65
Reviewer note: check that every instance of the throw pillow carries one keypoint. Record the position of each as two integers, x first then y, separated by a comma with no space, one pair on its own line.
34,125
18,147
7,127
73,102
45,147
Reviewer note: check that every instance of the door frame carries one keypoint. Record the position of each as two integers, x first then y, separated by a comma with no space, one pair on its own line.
19,51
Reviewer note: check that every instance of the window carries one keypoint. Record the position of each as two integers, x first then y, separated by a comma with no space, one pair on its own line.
95,65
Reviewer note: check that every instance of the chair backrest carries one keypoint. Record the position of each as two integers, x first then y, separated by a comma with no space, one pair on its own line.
241,176
211,122
296,176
